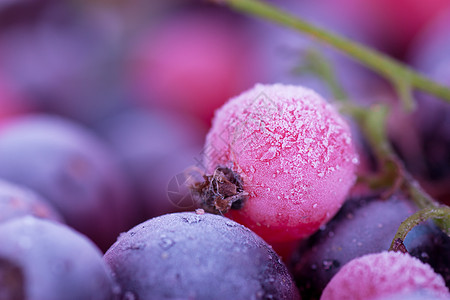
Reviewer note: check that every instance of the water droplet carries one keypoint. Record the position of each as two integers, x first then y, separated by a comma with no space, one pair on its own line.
166,242
231,224
136,246
315,205
200,211
192,219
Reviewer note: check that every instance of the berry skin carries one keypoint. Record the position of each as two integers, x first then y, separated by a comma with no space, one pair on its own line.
17,201
366,225
384,274
46,260
197,256
292,151
72,169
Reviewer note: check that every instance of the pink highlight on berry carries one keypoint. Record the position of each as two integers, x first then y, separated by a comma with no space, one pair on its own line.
294,153
380,275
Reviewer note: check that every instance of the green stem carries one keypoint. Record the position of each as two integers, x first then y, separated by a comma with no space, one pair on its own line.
399,74
416,219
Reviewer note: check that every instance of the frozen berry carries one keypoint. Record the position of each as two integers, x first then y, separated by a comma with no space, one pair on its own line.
70,168
17,201
381,275
281,158
366,225
197,256
46,260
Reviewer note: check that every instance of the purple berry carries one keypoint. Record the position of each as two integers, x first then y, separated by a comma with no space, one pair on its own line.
362,226
17,201
70,168
46,260
197,256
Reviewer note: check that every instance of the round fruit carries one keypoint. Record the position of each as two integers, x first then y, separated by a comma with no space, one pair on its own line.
72,169
17,201
281,158
381,275
197,256
40,259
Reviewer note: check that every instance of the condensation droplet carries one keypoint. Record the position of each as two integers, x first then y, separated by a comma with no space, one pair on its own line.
166,242
136,246
315,205
192,219
231,224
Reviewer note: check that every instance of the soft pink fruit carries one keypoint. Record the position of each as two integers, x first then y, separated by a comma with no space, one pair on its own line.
385,274
294,154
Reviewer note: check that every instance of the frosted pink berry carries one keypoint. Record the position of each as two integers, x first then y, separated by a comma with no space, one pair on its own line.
382,275
281,158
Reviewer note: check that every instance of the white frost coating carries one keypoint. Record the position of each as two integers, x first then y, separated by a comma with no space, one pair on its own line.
381,275
298,145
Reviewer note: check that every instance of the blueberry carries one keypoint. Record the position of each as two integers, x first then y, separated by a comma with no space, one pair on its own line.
70,168
17,201
46,260
197,256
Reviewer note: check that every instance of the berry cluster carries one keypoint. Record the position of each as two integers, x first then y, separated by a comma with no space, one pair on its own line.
141,159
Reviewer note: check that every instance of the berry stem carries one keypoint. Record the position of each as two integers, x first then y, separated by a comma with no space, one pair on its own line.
401,76
371,121
414,220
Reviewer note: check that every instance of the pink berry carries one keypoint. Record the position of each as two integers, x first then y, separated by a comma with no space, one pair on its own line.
385,274
289,155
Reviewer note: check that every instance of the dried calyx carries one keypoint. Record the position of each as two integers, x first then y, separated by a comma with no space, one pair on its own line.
221,191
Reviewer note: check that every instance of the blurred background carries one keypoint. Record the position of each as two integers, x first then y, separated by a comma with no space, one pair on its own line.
147,76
